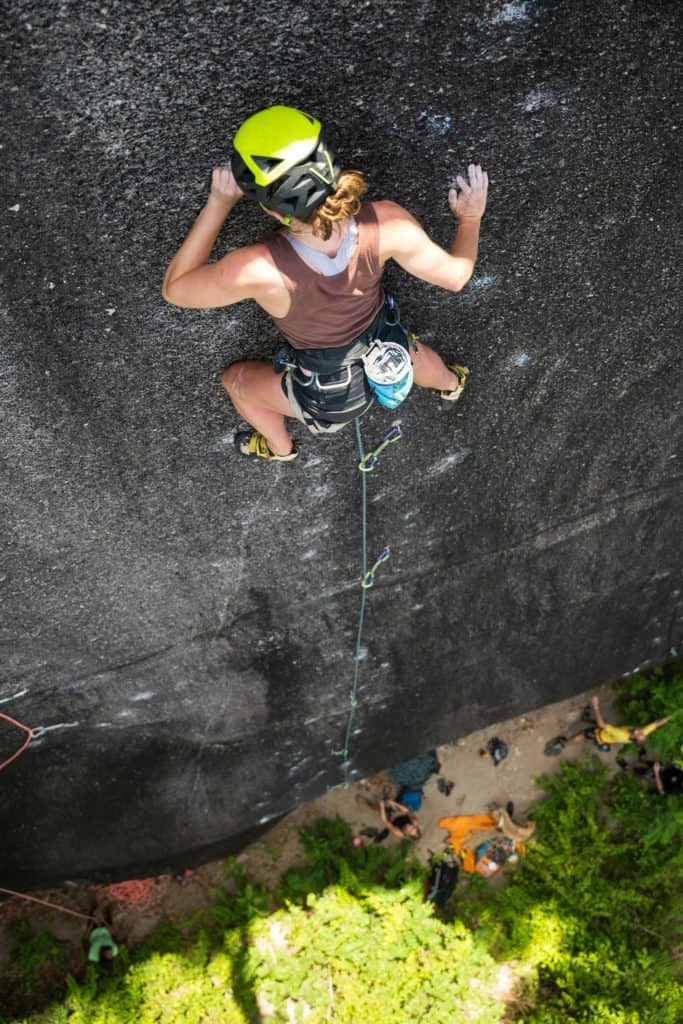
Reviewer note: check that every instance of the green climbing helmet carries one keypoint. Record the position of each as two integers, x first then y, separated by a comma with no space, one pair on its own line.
283,159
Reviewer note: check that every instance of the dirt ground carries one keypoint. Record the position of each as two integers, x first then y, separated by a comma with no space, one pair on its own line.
140,905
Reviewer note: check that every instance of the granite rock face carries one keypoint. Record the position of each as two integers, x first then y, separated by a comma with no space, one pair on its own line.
183,623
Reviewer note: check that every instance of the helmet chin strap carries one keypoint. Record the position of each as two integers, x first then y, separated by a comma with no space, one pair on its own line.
284,218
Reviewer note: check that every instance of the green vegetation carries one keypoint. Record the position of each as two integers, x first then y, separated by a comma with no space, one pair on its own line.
588,931
645,698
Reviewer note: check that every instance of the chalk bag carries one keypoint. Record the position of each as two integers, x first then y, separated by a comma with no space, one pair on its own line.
389,372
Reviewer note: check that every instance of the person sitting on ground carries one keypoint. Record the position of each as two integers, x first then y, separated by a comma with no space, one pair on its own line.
398,819
319,278
604,735
667,779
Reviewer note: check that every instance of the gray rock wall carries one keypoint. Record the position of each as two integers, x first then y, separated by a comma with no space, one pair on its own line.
185,622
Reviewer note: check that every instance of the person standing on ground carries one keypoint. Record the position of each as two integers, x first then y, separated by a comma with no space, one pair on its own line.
318,276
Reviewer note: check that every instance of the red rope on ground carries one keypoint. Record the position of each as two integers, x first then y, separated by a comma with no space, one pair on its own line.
46,903
24,745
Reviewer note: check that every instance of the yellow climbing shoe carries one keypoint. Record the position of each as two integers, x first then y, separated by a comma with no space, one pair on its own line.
447,398
254,446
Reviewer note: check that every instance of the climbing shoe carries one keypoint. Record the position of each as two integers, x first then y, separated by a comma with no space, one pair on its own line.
254,446
554,748
447,398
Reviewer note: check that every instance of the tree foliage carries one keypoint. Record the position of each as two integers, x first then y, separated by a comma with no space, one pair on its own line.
588,931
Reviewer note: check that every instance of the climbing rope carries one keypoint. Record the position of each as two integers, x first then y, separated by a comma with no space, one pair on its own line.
29,736
46,903
369,461
366,465
31,733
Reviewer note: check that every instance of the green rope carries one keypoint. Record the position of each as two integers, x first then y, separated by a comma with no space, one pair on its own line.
367,579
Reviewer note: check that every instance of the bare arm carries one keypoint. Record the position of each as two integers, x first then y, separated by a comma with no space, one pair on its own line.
383,815
658,778
403,239
596,711
191,281
655,725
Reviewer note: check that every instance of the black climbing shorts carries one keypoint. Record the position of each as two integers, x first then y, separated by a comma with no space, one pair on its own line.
327,387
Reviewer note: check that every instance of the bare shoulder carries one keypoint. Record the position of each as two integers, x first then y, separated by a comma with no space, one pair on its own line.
252,264
245,273
389,213
399,232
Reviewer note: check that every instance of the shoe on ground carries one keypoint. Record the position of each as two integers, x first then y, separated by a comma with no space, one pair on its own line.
447,398
554,748
254,446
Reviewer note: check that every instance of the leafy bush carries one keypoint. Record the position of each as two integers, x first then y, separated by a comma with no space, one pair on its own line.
595,913
645,698
588,930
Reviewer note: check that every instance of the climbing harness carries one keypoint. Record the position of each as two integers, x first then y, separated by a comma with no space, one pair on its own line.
366,464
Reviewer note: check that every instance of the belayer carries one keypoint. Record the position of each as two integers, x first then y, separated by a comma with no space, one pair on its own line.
319,277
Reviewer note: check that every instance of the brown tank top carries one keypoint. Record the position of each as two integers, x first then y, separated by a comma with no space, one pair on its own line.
330,311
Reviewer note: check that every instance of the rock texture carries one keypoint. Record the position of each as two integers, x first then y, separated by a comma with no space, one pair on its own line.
184,623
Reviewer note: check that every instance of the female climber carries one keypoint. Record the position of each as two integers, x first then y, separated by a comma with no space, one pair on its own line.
318,276
397,818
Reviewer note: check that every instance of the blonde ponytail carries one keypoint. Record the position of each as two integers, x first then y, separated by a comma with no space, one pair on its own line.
344,202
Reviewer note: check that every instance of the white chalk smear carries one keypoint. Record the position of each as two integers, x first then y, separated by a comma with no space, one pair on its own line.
145,695
539,98
437,124
512,12
520,359
15,208
480,283
110,311
449,460
219,444
308,555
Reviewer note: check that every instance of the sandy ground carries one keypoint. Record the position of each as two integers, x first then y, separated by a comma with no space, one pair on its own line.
140,905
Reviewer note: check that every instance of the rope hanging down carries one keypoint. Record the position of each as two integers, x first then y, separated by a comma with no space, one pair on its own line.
367,464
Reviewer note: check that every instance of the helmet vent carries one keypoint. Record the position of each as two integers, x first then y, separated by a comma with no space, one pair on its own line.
265,163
